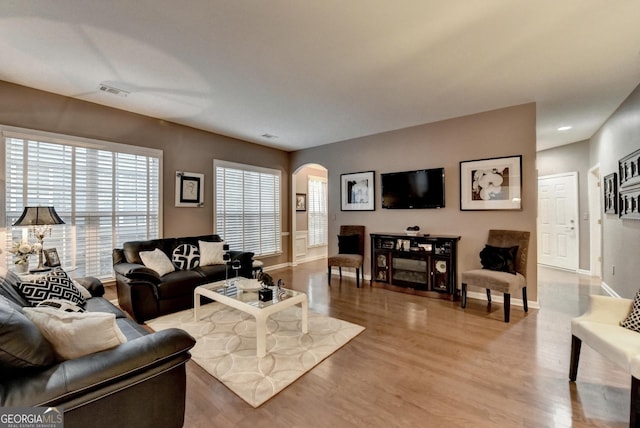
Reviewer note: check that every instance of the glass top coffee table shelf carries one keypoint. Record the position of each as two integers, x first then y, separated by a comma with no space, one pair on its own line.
231,293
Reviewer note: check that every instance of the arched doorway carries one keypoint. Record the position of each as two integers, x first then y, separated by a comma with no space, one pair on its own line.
309,213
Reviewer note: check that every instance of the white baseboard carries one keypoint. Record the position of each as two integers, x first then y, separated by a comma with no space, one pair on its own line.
610,291
584,272
278,266
309,259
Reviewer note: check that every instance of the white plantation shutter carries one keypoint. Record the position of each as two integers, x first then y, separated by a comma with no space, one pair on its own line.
104,195
247,213
317,211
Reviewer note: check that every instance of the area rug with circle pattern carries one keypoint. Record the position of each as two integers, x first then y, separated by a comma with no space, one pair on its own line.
226,346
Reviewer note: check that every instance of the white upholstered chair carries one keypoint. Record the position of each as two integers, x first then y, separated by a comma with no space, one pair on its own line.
599,327
504,282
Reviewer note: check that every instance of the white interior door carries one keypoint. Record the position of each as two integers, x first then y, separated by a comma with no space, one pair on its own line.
558,220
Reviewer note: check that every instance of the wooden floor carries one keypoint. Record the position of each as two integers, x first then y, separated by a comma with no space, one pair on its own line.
427,363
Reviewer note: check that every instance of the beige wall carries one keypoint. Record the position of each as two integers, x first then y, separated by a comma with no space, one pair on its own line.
618,137
184,148
504,132
573,158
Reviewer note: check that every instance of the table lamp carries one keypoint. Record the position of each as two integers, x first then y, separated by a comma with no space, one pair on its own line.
39,220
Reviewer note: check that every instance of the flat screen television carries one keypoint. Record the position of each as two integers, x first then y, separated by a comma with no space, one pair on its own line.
413,189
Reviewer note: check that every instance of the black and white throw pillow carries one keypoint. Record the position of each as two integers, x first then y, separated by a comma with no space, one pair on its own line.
186,257
54,285
632,322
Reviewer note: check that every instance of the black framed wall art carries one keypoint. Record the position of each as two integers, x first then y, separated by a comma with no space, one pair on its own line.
189,189
357,191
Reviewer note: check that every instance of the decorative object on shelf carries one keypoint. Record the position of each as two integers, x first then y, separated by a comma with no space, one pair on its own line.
189,189
235,265
412,230
265,279
610,189
491,184
227,258
22,250
39,220
629,168
281,292
357,191
51,257
301,201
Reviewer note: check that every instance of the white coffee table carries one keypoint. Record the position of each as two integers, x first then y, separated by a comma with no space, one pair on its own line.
247,301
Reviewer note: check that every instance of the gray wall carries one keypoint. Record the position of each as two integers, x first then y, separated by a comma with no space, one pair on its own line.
572,158
504,132
618,137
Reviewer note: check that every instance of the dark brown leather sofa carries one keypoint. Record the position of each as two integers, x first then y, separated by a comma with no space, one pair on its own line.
140,383
146,295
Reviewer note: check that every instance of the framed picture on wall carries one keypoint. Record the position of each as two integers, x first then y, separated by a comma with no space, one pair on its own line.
189,189
610,189
491,184
301,201
357,191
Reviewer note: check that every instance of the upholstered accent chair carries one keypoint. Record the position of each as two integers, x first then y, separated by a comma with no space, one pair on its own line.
350,251
599,327
508,276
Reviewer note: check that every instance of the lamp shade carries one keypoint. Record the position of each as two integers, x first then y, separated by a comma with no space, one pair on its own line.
38,216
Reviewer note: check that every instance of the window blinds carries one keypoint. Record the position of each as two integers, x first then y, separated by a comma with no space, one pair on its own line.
105,197
317,211
248,212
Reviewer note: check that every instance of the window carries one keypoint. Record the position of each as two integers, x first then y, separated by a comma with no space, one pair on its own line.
106,193
317,211
247,212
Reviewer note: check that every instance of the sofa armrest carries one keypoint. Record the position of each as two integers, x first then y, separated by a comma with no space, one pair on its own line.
606,310
137,272
92,284
94,371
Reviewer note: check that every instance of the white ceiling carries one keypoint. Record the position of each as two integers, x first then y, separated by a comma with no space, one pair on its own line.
317,72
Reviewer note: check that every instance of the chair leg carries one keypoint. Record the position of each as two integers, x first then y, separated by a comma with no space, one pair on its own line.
507,306
524,299
634,420
329,275
463,298
357,277
576,344
488,295
340,270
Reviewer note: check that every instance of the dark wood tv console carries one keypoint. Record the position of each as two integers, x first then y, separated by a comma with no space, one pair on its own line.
425,265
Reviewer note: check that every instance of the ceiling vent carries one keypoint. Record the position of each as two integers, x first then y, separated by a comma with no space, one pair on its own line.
113,90
269,136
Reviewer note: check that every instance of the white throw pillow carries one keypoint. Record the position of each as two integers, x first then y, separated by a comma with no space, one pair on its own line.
211,253
157,260
74,334
85,293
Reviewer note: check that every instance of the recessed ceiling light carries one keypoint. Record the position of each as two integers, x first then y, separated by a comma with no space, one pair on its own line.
565,128
269,136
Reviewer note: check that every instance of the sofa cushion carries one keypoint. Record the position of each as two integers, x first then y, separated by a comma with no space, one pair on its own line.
74,334
179,283
499,258
157,261
186,257
9,287
211,253
54,285
22,346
